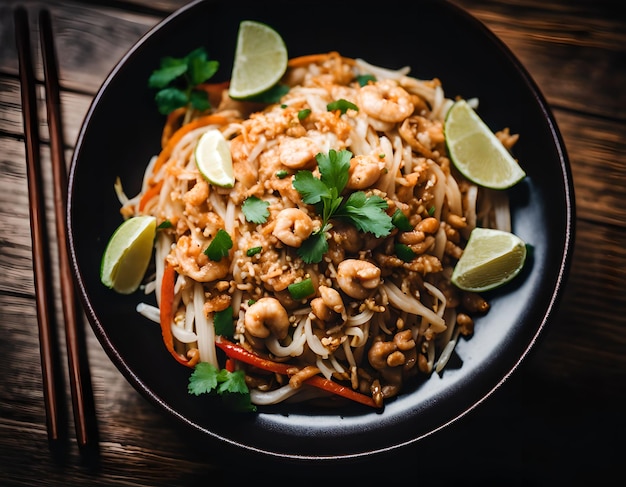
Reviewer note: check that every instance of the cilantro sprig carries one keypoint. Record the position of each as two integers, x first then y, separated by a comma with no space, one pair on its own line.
206,378
177,79
367,213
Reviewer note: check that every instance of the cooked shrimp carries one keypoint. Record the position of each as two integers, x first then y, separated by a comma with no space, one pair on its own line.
386,101
293,226
357,278
422,134
297,153
267,316
364,171
188,256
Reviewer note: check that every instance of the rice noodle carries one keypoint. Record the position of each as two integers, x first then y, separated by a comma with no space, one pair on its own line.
407,169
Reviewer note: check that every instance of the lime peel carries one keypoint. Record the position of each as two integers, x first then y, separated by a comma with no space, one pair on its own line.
128,253
490,259
260,60
476,151
214,160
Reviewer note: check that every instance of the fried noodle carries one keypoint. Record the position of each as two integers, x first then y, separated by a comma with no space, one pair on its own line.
375,320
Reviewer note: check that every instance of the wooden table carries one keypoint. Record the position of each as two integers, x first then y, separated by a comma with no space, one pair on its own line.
555,420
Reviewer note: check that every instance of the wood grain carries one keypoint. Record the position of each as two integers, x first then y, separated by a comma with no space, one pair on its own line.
543,428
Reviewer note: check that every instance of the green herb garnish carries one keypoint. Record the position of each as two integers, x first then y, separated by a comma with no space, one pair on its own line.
342,105
404,252
302,114
302,289
207,378
223,322
253,251
177,79
367,213
219,246
364,79
255,209
401,221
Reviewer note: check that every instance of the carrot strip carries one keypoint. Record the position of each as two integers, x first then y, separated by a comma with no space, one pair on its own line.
172,124
237,352
185,129
150,193
166,311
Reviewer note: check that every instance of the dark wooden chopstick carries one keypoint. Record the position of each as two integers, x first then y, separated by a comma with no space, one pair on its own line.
81,403
44,299
80,384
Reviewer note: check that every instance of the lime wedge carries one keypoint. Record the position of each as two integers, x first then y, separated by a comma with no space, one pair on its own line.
491,258
476,151
214,160
260,60
127,254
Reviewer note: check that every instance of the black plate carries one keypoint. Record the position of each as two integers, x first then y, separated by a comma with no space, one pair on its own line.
122,131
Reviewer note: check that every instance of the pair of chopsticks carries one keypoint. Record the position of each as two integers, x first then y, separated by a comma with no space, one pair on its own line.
82,403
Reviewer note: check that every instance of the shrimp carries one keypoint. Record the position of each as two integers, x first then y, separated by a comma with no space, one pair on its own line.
386,101
267,316
297,153
364,171
328,305
293,226
357,278
422,135
191,261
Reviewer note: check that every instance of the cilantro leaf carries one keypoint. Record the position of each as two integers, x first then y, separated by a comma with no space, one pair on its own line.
255,209
199,66
219,246
367,213
232,382
310,188
203,379
206,378
170,70
334,168
177,78
169,99
199,100
313,248
223,322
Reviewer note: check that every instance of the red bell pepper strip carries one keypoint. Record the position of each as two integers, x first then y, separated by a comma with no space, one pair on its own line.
237,352
338,389
166,312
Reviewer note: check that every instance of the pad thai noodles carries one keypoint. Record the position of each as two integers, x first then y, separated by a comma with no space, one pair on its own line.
338,237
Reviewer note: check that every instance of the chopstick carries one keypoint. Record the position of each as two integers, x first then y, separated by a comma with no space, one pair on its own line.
80,384
82,406
44,299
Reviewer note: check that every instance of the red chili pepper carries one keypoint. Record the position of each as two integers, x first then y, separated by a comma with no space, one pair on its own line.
237,352
338,389
167,312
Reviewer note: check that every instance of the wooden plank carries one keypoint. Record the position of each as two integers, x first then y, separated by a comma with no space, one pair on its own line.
597,152
74,107
89,41
564,56
568,52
